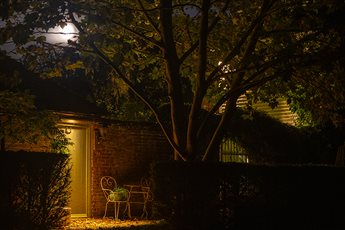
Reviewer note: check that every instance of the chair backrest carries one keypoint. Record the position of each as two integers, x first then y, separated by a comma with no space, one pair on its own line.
145,182
146,187
108,184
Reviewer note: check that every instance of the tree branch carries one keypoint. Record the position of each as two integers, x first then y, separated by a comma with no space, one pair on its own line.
132,31
265,7
210,28
138,34
148,17
231,106
141,95
134,89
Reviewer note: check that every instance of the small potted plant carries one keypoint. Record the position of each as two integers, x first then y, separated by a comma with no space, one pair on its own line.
119,194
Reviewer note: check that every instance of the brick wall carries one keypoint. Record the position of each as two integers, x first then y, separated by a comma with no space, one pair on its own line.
124,152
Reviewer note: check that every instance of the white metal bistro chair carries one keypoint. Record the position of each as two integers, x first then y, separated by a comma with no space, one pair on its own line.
113,194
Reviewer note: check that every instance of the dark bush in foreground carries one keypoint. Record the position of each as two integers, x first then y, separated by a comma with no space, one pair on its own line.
243,196
35,189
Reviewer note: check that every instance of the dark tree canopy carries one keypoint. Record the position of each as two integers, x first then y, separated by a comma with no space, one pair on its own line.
191,53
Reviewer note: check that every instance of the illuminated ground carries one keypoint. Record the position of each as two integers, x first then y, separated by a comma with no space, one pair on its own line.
108,223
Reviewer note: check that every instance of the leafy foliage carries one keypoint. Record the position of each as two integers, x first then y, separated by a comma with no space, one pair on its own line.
188,53
269,141
20,119
59,143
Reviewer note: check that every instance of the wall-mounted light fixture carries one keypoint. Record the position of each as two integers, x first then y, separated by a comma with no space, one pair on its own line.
65,129
100,133
68,130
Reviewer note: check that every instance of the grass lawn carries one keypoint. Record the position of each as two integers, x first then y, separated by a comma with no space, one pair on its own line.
109,223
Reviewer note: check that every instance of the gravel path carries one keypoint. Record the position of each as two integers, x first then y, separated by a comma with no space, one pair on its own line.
108,223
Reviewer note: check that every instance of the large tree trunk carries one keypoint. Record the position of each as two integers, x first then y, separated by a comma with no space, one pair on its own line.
199,92
172,75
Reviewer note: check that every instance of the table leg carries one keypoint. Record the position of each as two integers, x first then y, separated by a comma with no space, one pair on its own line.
144,213
129,210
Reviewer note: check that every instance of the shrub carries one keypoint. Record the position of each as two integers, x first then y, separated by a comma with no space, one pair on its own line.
35,189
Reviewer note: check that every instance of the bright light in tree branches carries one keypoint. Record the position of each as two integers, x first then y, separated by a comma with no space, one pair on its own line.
62,35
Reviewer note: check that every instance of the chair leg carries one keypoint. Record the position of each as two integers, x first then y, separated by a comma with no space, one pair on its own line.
117,210
105,211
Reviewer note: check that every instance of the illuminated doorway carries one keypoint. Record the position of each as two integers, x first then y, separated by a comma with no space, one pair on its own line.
80,158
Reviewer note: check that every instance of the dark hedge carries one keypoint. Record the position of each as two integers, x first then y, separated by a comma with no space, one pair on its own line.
35,190
269,141
244,196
